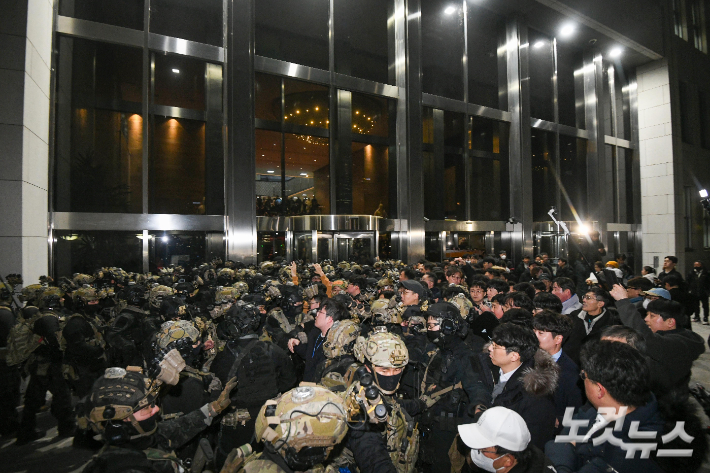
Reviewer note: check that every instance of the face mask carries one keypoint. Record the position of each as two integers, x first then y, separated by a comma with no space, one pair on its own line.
483,462
502,257
646,302
433,337
388,384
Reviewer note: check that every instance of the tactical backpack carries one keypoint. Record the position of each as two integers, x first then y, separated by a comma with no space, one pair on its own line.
256,374
22,341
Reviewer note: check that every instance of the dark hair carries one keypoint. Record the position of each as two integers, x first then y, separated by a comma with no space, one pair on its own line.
526,256
620,256
650,269
335,310
668,310
673,280
521,300
516,338
409,273
431,275
620,368
601,295
428,266
320,298
566,284
499,285
523,458
479,283
360,282
539,286
525,287
553,322
495,273
450,291
632,337
520,317
545,300
640,283
488,259
673,259
563,260
535,271
451,270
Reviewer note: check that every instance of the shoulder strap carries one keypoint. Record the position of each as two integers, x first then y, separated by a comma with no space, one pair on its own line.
239,358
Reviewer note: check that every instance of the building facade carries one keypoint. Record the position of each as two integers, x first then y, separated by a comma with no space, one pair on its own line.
143,133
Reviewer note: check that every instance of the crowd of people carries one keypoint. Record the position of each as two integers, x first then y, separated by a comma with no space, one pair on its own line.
471,364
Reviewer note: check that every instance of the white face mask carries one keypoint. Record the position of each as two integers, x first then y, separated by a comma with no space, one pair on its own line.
483,462
646,302
502,257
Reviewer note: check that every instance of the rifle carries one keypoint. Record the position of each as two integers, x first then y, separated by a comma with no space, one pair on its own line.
12,293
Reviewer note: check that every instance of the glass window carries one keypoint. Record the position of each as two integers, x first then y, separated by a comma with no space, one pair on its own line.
371,180
370,115
294,31
270,245
267,101
85,251
573,177
361,40
704,103
487,73
432,246
623,107
269,180
433,188
187,19
126,13
570,86
99,128
686,120
384,250
442,48
697,25
186,249
306,104
540,68
489,169
677,18
632,193
179,82
454,187
428,125
543,170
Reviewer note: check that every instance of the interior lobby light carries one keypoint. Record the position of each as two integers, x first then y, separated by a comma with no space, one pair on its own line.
449,10
270,172
304,174
165,239
176,71
615,52
539,44
567,30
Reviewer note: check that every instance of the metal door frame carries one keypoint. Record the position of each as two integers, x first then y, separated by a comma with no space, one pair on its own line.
372,236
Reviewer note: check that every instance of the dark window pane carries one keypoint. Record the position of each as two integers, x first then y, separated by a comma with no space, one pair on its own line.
370,115
543,167
570,86
269,181
454,187
307,174
428,125
704,103
270,245
442,48
487,73
199,21
179,82
454,130
384,251
489,170
126,13
186,249
267,102
623,110
361,42
432,246
306,104
85,252
432,172
294,31
178,178
686,119
573,176
99,128
540,70
371,180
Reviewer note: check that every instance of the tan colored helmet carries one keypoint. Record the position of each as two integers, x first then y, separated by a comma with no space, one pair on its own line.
266,267
344,265
464,305
158,293
175,330
242,287
340,283
85,294
32,293
81,279
340,338
48,294
226,294
305,417
385,349
385,282
226,272
384,311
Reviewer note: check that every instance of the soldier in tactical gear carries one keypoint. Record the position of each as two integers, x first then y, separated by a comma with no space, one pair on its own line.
83,342
300,430
9,375
337,370
448,385
262,368
383,436
122,411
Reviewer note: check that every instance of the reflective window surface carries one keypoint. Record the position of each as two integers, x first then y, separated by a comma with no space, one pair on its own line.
541,71
573,177
371,180
270,245
570,86
487,74
186,249
87,251
370,115
126,13
442,48
179,81
267,93
488,149
294,31
199,21
544,183
99,128
361,39
305,104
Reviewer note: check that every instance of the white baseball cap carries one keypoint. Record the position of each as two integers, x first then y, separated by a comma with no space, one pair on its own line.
497,426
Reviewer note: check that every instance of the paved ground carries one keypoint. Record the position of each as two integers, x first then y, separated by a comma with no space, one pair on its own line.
51,454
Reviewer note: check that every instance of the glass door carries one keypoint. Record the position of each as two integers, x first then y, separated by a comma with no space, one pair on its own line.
357,247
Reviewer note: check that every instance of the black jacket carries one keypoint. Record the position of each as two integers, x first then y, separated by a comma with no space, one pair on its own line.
699,283
573,342
529,392
568,393
312,353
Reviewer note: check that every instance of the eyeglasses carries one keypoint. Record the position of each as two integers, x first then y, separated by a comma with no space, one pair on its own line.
495,346
431,325
477,291
589,298
583,375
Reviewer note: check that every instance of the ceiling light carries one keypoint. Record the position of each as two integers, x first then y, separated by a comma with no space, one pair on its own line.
270,172
449,10
304,174
165,239
567,30
176,71
539,44
615,52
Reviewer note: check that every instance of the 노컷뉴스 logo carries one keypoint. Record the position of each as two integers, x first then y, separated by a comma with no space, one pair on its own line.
645,441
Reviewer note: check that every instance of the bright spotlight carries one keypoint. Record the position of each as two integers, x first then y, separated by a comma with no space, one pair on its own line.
176,71
567,30
583,229
449,10
615,52
165,239
538,44
704,193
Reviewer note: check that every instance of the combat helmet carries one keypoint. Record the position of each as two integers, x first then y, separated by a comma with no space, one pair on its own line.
175,330
384,349
116,396
32,293
5,293
340,339
302,425
157,294
451,322
462,303
51,298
